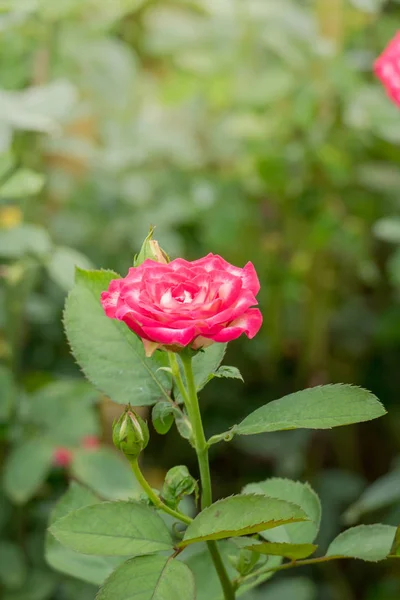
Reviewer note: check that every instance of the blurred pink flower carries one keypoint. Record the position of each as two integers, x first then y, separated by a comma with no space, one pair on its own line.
62,457
90,442
387,68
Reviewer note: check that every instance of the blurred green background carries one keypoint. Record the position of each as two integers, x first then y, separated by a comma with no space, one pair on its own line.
249,128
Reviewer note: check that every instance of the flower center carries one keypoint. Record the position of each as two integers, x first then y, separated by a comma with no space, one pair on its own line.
185,297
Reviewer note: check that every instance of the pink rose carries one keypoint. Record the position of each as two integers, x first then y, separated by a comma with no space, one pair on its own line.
186,303
387,68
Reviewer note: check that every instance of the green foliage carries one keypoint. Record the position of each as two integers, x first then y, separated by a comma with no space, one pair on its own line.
92,569
113,529
12,565
8,393
106,349
321,407
106,473
292,551
155,578
367,542
241,515
300,494
26,469
162,416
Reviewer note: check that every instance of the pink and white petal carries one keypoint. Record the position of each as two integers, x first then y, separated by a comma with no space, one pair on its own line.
250,278
125,312
244,302
249,323
165,335
134,326
109,299
179,263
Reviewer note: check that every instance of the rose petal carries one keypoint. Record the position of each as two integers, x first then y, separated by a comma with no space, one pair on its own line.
249,323
109,299
165,335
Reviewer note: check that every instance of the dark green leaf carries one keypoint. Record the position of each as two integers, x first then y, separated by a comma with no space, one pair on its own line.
291,491
320,407
92,569
27,468
162,416
105,472
367,542
241,515
110,354
113,529
292,551
154,577
12,565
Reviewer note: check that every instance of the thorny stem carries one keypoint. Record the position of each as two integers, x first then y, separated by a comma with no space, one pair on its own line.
158,503
200,443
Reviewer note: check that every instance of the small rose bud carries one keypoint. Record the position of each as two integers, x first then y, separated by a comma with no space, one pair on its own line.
130,433
151,249
178,483
62,457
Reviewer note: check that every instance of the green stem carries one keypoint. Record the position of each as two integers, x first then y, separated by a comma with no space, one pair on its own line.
290,565
158,503
201,447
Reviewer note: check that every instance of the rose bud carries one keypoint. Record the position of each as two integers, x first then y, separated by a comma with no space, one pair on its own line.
62,457
130,434
151,249
178,483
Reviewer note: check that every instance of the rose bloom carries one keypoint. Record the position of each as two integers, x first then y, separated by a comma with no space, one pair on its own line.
387,68
184,303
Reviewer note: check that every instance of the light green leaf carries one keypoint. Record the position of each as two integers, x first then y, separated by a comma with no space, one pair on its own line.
24,239
92,569
292,551
383,492
110,354
113,529
23,183
8,393
105,472
395,550
388,228
12,565
154,577
38,585
298,588
207,361
162,416
319,407
208,586
302,495
241,515
367,542
26,469
228,372
62,263
65,410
